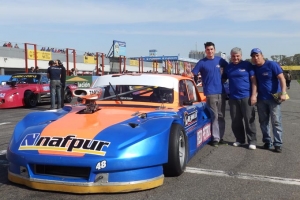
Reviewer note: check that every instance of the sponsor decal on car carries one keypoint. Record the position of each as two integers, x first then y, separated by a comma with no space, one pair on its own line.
206,131
203,134
2,95
69,143
199,137
190,118
46,88
95,91
24,76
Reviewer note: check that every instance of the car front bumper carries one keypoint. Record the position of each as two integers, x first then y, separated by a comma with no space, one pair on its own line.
89,187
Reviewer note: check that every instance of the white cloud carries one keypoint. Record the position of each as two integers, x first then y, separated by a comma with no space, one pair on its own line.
130,11
257,10
224,33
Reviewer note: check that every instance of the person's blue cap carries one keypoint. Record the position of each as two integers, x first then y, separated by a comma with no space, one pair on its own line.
255,50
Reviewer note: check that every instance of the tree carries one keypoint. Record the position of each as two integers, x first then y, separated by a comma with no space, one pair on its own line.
278,58
296,59
286,61
275,58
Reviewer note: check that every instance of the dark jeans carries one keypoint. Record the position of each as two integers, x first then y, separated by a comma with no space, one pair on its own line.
55,89
288,83
241,110
63,95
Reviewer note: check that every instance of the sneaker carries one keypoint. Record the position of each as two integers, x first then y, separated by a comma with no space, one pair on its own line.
252,146
222,142
278,149
215,144
237,144
268,145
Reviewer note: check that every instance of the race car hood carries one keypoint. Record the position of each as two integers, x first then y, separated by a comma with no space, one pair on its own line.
110,128
7,89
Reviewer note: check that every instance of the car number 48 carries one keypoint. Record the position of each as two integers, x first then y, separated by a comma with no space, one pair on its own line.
101,165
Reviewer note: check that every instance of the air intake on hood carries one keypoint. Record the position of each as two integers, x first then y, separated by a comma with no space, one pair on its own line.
133,125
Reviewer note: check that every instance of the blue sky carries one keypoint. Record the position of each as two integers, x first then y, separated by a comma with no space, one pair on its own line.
171,27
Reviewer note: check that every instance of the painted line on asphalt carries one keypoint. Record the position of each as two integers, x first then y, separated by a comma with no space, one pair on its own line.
272,179
3,123
3,152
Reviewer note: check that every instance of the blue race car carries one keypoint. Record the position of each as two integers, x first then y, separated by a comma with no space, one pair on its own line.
126,133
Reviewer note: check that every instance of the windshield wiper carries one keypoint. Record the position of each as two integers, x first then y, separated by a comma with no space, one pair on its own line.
118,97
124,93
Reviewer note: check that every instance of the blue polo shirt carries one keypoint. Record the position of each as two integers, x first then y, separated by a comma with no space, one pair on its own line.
239,79
267,81
210,70
54,73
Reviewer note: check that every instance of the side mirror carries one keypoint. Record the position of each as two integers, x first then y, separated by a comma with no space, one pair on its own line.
11,83
187,103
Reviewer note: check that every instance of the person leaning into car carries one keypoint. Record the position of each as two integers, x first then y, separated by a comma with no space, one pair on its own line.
210,70
242,98
62,80
54,74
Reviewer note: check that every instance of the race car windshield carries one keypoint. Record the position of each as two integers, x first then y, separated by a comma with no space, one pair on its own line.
139,93
25,78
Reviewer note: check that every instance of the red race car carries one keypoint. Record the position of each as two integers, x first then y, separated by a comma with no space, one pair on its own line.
29,89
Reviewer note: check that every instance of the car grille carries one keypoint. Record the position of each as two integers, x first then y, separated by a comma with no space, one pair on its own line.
78,172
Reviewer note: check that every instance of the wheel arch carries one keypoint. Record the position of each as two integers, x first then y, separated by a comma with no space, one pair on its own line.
172,167
27,102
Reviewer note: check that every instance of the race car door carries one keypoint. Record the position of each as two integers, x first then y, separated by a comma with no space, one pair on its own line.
45,87
196,116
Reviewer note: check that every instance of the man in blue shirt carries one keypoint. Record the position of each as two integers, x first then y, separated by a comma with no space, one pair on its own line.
210,69
270,80
242,98
54,74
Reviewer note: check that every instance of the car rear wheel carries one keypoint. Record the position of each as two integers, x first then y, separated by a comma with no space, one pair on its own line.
177,152
30,99
68,96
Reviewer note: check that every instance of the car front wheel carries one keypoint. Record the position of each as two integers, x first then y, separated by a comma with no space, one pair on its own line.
68,96
177,152
30,99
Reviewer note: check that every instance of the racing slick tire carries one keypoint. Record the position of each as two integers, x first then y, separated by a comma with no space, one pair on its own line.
68,96
30,99
177,152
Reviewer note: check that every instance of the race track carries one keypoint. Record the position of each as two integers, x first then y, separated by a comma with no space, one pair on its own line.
225,172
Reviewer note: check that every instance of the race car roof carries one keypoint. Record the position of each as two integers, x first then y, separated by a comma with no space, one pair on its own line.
31,73
158,80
